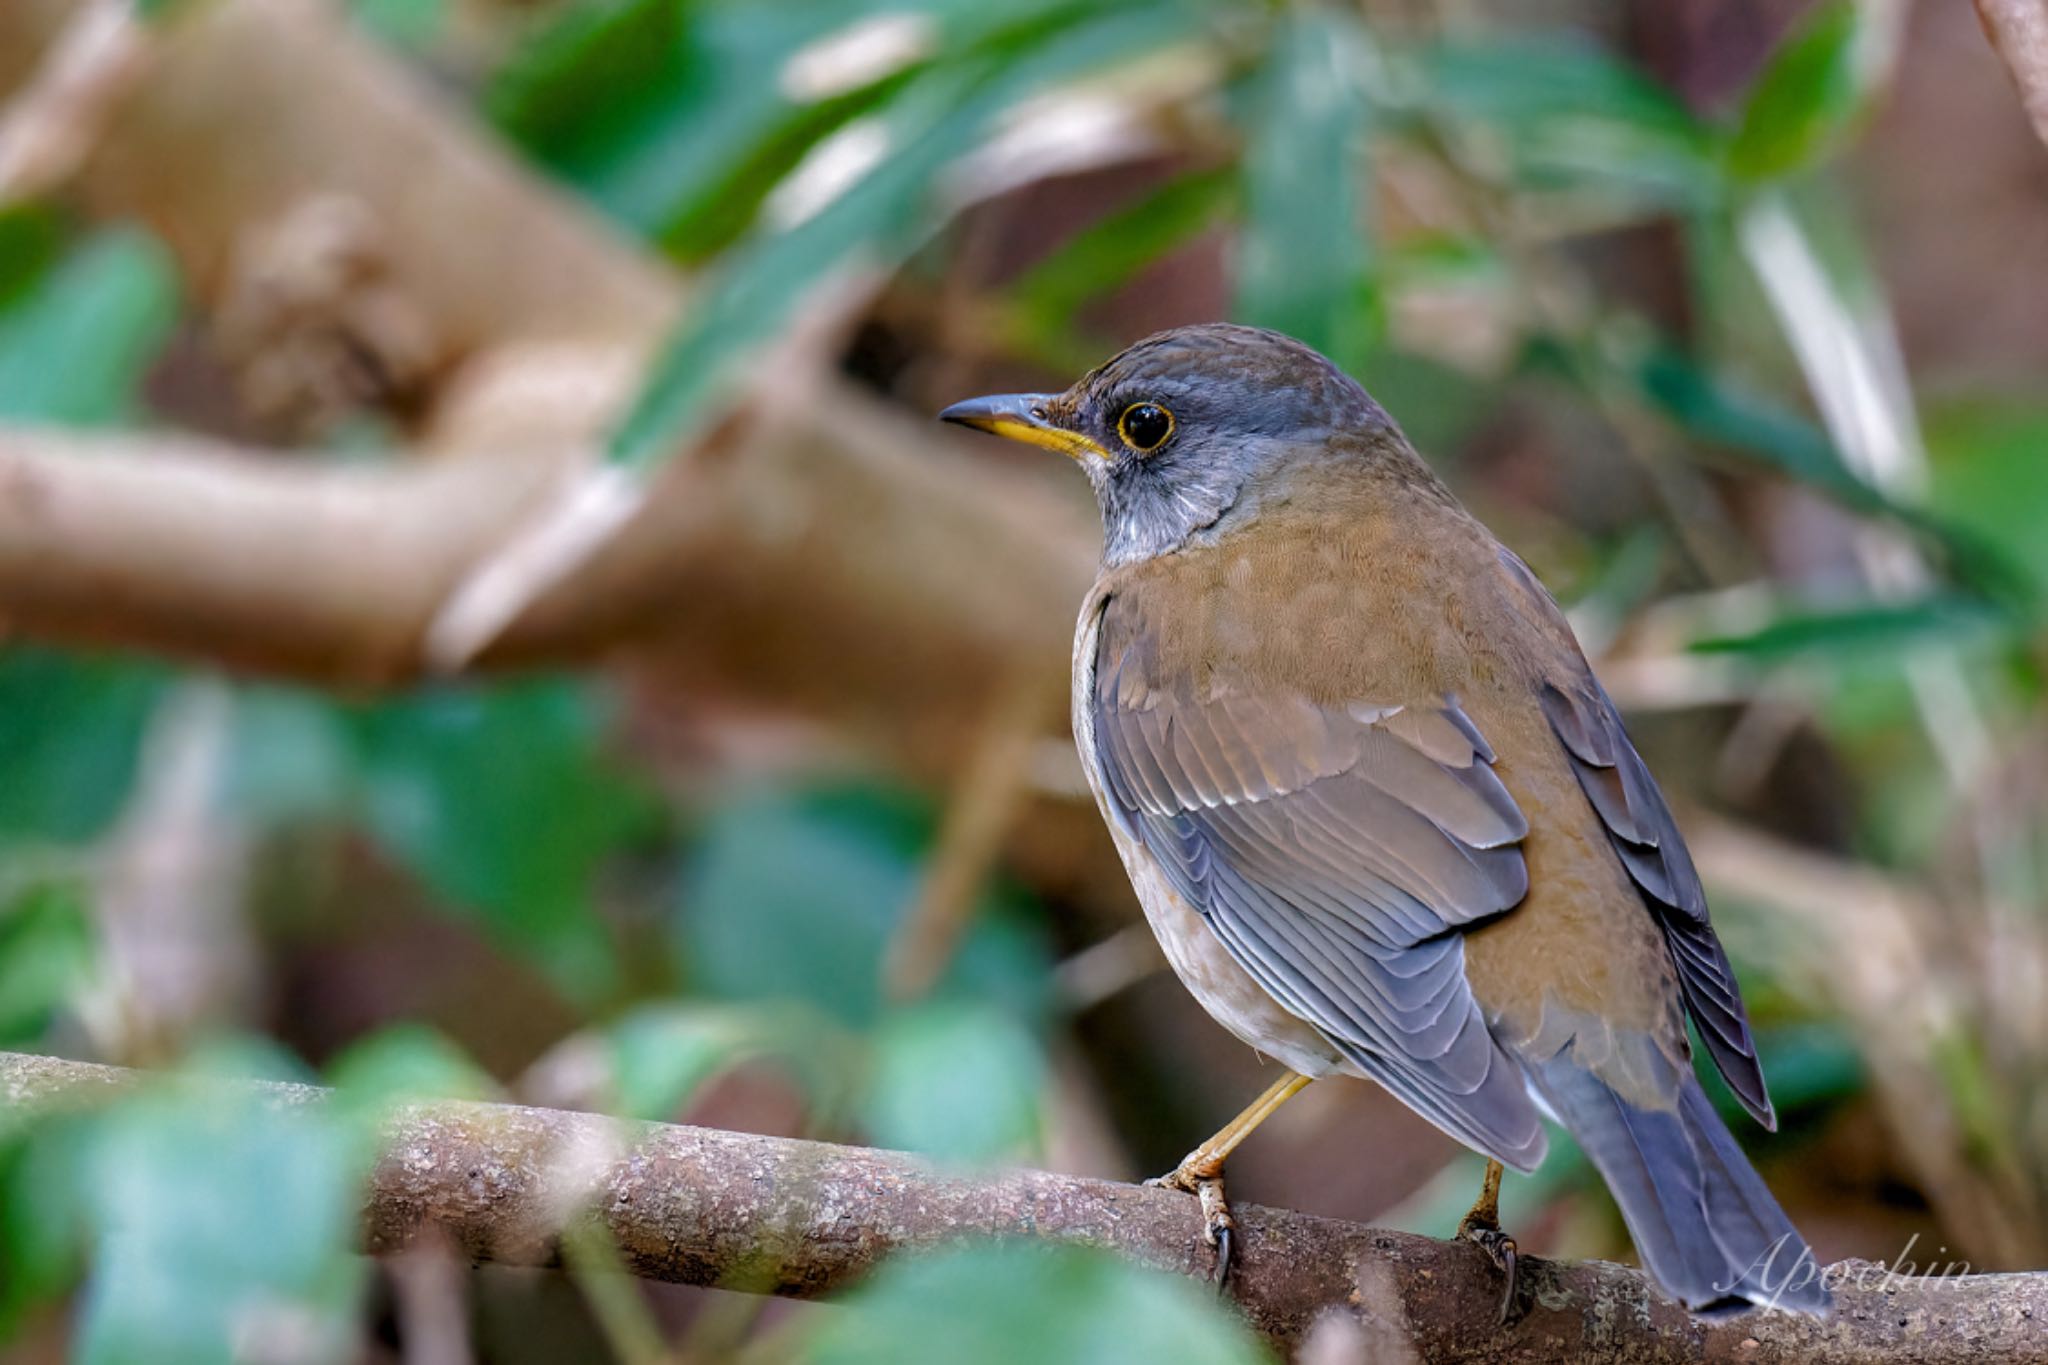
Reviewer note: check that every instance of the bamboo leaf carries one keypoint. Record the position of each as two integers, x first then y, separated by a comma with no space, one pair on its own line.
1304,258
879,219
1571,116
1814,86
1869,629
1105,254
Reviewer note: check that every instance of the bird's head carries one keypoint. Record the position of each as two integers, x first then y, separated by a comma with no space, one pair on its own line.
1185,432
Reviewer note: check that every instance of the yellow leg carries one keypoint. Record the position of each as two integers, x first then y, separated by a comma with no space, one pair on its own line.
1482,1225
1200,1172
1486,1208
1206,1161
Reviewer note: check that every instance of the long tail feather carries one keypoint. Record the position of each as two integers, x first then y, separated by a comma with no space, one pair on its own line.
1707,1229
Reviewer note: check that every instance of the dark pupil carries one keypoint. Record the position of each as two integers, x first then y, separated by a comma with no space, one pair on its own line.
1146,425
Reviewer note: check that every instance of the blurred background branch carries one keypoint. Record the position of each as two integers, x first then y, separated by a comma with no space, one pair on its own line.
2019,30
329,751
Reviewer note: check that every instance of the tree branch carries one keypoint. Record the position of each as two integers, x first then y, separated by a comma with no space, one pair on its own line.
2019,30
924,578
251,106
49,128
774,1215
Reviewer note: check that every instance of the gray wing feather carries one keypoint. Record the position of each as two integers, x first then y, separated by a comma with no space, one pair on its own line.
1644,835
1338,854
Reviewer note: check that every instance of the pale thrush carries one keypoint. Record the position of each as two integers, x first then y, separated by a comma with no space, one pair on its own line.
1381,815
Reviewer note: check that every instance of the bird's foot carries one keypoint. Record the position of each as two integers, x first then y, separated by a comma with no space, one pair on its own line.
1219,1229
1500,1249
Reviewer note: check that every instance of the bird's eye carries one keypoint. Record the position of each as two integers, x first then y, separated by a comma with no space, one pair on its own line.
1145,426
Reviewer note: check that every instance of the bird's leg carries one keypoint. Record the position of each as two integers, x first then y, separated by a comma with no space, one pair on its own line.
1482,1226
1200,1172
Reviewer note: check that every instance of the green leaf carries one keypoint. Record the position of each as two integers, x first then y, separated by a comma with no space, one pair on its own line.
1878,629
956,1080
1014,1304
680,119
1982,1105
222,1222
1814,85
661,1055
1304,254
31,242
410,24
46,957
160,12
1571,116
592,95
44,1167
1517,78
292,758
1809,1065
1750,423
1442,1200
795,897
1990,466
76,343
760,286
502,801
402,1064
70,734
586,55
877,221
1726,414
1107,253
1440,406
720,208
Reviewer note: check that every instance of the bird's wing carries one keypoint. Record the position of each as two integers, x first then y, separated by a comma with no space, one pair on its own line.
1339,854
1640,827
1644,836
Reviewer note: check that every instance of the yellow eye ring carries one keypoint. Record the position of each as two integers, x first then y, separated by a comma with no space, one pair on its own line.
1145,427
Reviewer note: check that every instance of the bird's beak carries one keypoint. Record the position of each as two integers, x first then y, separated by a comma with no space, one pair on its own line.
1022,417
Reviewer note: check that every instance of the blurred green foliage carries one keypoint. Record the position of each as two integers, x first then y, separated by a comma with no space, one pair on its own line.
220,1220
503,802
796,897
1302,263
1806,95
687,937
410,24
1017,1305
987,59
46,958
77,334
69,740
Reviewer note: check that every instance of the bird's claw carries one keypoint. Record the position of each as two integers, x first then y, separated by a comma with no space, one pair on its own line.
1219,1229
1500,1249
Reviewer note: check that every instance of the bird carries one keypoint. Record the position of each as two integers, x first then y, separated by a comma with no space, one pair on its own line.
1381,814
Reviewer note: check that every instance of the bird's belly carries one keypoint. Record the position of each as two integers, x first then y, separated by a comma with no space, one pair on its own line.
1219,985
1223,988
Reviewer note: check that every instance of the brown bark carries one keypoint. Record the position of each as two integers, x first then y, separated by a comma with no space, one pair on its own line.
834,557
832,522
2019,30
774,1215
251,107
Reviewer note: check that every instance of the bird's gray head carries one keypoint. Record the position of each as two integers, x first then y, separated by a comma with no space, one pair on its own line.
1181,433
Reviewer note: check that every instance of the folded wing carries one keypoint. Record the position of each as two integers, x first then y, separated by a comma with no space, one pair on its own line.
1339,854
1640,827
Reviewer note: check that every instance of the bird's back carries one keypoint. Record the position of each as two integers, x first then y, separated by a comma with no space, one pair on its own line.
1259,686
1371,587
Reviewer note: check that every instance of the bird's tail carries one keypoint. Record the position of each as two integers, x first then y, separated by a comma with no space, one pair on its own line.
1704,1225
